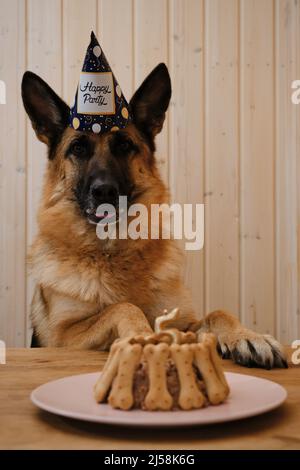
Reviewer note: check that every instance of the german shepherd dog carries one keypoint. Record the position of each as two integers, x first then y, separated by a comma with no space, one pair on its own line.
90,291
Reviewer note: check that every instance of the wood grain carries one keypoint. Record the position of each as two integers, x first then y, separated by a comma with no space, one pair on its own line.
151,48
79,19
12,175
257,147
23,426
115,26
222,156
186,130
44,57
287,155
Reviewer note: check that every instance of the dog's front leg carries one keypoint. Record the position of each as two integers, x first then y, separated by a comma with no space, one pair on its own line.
98,331
244,346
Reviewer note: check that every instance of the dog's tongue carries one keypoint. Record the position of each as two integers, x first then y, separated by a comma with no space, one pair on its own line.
105,214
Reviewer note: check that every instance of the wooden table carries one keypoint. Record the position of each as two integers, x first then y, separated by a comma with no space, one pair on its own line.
23,426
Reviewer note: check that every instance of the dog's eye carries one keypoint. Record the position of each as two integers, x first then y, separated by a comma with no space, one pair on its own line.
125,146
79,149
121,145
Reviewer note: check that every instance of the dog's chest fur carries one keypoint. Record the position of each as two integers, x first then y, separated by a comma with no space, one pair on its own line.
104,278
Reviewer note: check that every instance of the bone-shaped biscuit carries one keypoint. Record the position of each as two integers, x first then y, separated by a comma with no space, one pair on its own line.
109,371
189,396
121,392
180,337
216,390
211,341
158,396
155,338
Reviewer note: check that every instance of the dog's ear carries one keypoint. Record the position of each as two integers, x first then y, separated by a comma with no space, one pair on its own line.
150,102
48,113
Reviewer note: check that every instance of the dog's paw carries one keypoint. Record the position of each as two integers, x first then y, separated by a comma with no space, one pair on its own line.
251,349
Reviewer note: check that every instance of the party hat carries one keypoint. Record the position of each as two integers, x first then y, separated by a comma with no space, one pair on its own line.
99,104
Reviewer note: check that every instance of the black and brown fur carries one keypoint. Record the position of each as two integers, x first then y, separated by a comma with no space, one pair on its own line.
89,292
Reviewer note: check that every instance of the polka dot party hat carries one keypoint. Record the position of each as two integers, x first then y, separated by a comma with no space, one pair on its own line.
99,102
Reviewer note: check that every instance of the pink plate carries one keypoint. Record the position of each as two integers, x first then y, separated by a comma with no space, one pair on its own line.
73,397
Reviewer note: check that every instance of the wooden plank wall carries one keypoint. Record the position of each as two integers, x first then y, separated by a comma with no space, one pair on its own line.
13,169
231,138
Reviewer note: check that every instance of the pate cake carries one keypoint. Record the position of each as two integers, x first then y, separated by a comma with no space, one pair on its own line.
167,370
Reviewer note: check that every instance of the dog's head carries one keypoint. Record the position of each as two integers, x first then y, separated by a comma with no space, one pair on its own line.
94,169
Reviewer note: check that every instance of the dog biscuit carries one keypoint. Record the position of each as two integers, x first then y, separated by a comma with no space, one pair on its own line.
190,396
215,389
211,341
121,392
158,396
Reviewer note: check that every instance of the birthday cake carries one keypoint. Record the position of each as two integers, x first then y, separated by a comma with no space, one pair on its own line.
168,370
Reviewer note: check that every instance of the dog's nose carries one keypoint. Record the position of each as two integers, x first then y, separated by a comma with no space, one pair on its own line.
104,192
